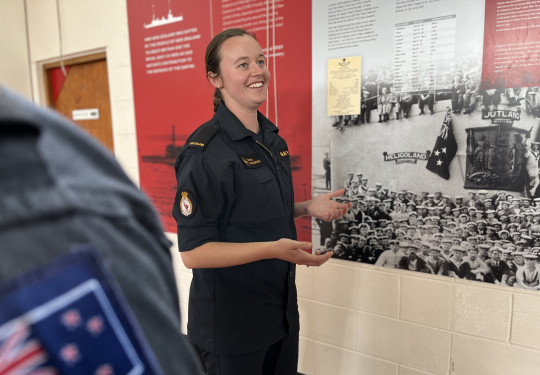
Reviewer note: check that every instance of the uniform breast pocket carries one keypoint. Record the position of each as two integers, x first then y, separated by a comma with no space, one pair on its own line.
258,196
257,176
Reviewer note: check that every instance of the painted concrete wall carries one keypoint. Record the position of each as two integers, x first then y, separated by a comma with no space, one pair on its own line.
14,63
355,318
87,27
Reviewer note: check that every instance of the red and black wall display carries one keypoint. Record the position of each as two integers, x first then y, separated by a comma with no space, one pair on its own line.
172,96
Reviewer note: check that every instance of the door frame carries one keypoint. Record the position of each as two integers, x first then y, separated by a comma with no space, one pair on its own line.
73,59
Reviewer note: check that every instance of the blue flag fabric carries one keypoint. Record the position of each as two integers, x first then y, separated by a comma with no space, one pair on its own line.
70,318
444,150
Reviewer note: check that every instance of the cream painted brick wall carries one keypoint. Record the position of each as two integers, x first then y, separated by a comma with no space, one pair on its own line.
482,311
335,284
475,356
425,301
306,362
409,371
327,323
428,334
341,284
304,282
526,320
334,360
401,342
378,293
418,324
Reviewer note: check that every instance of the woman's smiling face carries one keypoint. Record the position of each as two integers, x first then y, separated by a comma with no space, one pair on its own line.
244,75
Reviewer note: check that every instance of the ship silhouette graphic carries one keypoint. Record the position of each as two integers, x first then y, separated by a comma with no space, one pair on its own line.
172,150
160,21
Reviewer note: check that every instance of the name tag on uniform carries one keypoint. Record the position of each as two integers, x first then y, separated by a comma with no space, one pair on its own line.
251,161
283,153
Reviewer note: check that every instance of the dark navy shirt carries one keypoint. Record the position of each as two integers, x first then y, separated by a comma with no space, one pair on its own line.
233,188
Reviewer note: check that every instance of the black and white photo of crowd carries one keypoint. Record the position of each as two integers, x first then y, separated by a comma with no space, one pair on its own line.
486,236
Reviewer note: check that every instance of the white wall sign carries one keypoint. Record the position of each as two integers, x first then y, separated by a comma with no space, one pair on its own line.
85,114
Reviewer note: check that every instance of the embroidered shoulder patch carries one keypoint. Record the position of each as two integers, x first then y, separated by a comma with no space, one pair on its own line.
251,161
187,203
203,136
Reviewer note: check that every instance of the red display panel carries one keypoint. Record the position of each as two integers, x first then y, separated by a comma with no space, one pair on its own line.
511,49
172,96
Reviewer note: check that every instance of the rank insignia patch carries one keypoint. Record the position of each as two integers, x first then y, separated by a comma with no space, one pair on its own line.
187,204
251,161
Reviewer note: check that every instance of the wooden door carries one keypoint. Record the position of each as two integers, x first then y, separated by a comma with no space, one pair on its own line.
83,95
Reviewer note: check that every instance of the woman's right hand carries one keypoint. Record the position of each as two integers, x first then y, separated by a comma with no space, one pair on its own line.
298,252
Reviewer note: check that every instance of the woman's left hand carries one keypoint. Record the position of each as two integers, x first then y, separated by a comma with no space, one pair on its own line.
324,208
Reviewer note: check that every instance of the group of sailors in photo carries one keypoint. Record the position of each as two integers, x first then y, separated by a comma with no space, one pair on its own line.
488,237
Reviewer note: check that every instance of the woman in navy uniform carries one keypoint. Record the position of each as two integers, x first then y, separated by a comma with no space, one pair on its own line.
235,212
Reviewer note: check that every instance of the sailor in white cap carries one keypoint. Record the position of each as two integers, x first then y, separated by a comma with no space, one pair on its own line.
434,261
348,181
500,271
390,258
528,276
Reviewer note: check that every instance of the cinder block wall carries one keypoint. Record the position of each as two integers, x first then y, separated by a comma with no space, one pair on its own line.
361,319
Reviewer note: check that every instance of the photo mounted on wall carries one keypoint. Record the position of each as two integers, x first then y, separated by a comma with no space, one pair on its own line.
442,161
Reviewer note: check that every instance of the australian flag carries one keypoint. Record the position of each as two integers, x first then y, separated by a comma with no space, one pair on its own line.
444,150
70,318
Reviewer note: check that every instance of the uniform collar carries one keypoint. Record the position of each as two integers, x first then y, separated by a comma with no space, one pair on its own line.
236,130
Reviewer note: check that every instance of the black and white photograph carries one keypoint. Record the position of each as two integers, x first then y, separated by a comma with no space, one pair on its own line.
441,165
